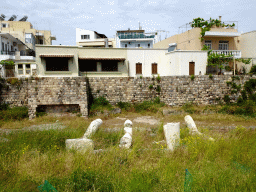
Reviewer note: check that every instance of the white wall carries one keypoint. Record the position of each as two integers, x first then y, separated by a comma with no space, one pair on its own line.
147,57
80,32
180,62
134,44
168,64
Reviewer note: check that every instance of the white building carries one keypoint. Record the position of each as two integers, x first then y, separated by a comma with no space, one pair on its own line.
148,62
135,39
88,38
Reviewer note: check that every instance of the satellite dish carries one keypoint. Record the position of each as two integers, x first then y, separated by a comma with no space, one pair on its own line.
12,18
24,18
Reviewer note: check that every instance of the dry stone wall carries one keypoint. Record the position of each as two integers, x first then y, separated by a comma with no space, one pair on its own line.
34,92
175,90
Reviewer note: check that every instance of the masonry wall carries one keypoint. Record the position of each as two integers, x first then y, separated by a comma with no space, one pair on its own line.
36,92
175,90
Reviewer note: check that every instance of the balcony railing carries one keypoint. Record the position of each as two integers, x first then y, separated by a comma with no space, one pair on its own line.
234,53
7,52
141,36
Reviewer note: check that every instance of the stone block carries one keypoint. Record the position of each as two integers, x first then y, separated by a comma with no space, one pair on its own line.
172,135
81,145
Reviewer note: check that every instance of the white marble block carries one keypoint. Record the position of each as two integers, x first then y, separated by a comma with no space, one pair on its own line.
126,140
81,145
93,127
191,125
172,135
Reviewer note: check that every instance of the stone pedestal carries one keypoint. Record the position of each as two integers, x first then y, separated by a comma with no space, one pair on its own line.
172,135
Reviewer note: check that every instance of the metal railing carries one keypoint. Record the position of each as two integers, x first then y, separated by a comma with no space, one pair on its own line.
7,52
235,53
141,36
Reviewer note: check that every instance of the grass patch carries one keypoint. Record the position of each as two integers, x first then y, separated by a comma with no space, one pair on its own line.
29,158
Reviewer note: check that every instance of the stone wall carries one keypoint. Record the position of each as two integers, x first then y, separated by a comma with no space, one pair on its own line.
51,91
174,90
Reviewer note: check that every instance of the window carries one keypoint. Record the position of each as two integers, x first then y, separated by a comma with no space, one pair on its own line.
138,68
28,38
4,25
2,46
154,68
138,45
85,36
125,45
109,65
56,63
149,45
28,70
208,44
20,69
223,45
87,65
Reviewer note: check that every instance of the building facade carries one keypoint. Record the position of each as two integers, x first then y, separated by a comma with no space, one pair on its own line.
88,38
17,43
135,39
117,62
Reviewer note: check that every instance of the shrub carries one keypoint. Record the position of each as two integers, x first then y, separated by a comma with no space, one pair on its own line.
158,78
101,101
192,77
158,88
253,69
146,106
15,113
124,105
157,100
150,87
226,99
4,106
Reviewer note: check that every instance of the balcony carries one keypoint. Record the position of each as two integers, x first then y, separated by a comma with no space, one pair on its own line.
141,36
235,53
7,55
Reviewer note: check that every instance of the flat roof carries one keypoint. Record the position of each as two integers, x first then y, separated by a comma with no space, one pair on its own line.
131,31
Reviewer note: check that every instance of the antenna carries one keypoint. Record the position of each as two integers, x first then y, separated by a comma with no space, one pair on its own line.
24,18
12,18
2,17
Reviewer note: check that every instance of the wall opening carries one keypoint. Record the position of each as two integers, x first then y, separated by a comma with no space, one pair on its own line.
58,110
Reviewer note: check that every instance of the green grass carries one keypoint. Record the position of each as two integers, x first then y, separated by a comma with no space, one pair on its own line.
228,164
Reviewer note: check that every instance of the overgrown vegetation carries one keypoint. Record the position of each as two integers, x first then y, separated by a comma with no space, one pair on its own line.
15,113
207,25
30,157
245,104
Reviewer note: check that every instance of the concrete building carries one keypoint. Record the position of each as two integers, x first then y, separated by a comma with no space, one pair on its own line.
135,39
88,38
247,45
220,39
17,43
117,62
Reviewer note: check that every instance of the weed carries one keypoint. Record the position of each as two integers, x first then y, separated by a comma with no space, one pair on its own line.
192,77
158,78
158,88
150,87
210,76
124,105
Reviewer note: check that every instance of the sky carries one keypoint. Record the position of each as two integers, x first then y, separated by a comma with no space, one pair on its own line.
62,17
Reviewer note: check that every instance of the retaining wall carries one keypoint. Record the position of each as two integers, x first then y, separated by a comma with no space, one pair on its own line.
172,90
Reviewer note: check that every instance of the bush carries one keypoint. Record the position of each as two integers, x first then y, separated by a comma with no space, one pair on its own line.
158,88
4,106
158,78
101,101
226,99
15,113
253,69
150,87
192,77
147,106
124,105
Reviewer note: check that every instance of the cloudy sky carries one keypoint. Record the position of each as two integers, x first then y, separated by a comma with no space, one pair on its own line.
62,17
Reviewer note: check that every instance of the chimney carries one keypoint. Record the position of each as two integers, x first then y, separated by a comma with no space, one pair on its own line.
220,18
